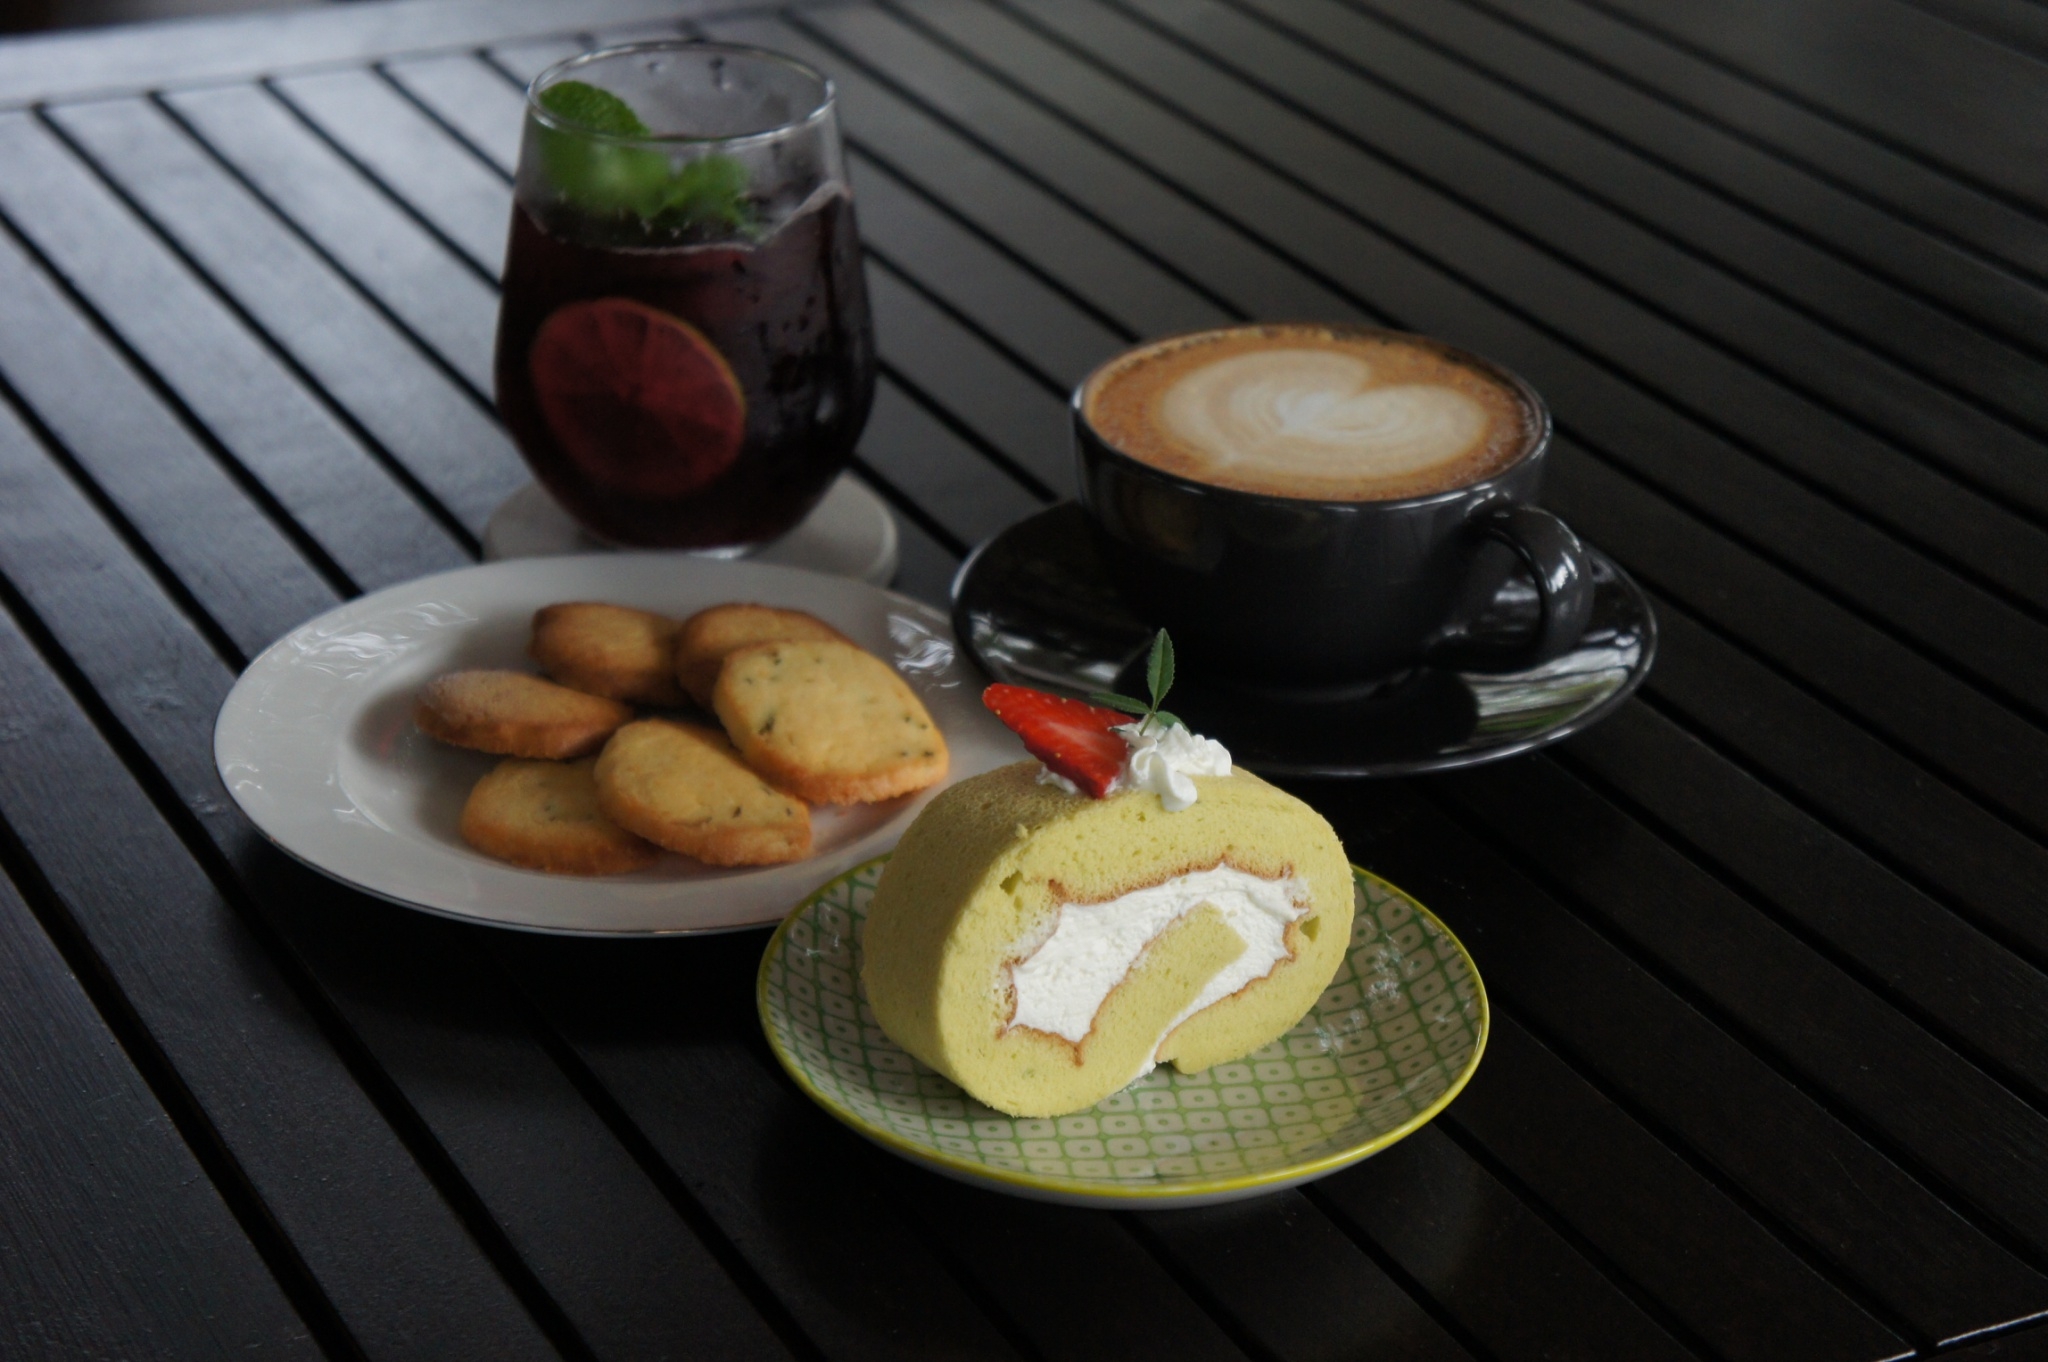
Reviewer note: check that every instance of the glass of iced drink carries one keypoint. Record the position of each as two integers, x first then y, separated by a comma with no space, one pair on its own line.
684,352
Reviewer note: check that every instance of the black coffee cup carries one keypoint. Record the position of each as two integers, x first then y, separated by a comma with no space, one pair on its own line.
1332,594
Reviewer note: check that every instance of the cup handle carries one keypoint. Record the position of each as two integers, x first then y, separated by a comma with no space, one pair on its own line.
1564,582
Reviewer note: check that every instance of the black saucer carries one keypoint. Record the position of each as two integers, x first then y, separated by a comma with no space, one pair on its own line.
1034,607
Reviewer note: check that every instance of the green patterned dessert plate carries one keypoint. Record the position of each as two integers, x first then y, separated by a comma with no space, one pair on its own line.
1390,1042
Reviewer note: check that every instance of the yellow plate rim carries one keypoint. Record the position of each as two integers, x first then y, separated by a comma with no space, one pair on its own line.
1213,1187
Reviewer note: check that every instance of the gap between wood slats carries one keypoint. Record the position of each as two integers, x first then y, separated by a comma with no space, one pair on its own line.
428,352
252,487
1983,228
484,273
1976,1210
1938,61
397,1110
1420,845
389,1101
376,449
1955,358
187,1116
1928,266
160,313
2025,969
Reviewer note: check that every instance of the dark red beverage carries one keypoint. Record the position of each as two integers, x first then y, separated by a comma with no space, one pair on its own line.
686,396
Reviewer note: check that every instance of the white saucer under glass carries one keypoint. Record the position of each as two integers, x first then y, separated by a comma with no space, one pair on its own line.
848,534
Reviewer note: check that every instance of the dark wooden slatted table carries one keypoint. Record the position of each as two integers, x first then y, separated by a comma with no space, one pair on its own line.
1769,1078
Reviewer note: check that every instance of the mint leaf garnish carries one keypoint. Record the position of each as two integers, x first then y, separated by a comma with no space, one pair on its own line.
707,194
1158,680
600,111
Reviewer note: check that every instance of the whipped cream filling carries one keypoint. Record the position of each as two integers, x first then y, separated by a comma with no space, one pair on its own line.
1061,986
1162,758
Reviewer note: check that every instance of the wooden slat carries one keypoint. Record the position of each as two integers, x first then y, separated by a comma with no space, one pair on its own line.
68,65
243,395
1114,190
1119,282
2030,1345
112,1241
1924,392
1942,94
1074,1282
669,1031
411,156
427,422
471,97
1788,126
1295,1285
1735,1287
629,1274
1802,207
1902,694
400,1269
449,309
1965,985
1467,1240
1724,1106
1967,1130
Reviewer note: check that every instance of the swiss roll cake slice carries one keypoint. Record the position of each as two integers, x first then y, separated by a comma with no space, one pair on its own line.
1043,949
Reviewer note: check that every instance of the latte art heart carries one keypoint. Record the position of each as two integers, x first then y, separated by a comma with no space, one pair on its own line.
1317,414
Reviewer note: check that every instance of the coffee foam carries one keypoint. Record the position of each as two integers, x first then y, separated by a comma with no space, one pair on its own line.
1319,413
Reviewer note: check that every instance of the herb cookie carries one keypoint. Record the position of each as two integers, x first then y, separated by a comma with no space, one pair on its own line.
827,721
543,815
608,650
709,635
515,715
683,787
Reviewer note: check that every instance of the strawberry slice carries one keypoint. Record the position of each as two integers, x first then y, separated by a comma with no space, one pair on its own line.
1072,737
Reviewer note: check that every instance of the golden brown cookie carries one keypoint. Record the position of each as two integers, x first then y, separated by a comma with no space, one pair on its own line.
544,815
515,715
709,635
608,650
682,786
827,721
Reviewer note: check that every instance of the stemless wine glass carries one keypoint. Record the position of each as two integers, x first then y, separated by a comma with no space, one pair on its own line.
684,356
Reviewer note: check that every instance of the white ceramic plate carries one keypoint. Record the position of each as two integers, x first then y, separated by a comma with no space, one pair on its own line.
316,741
